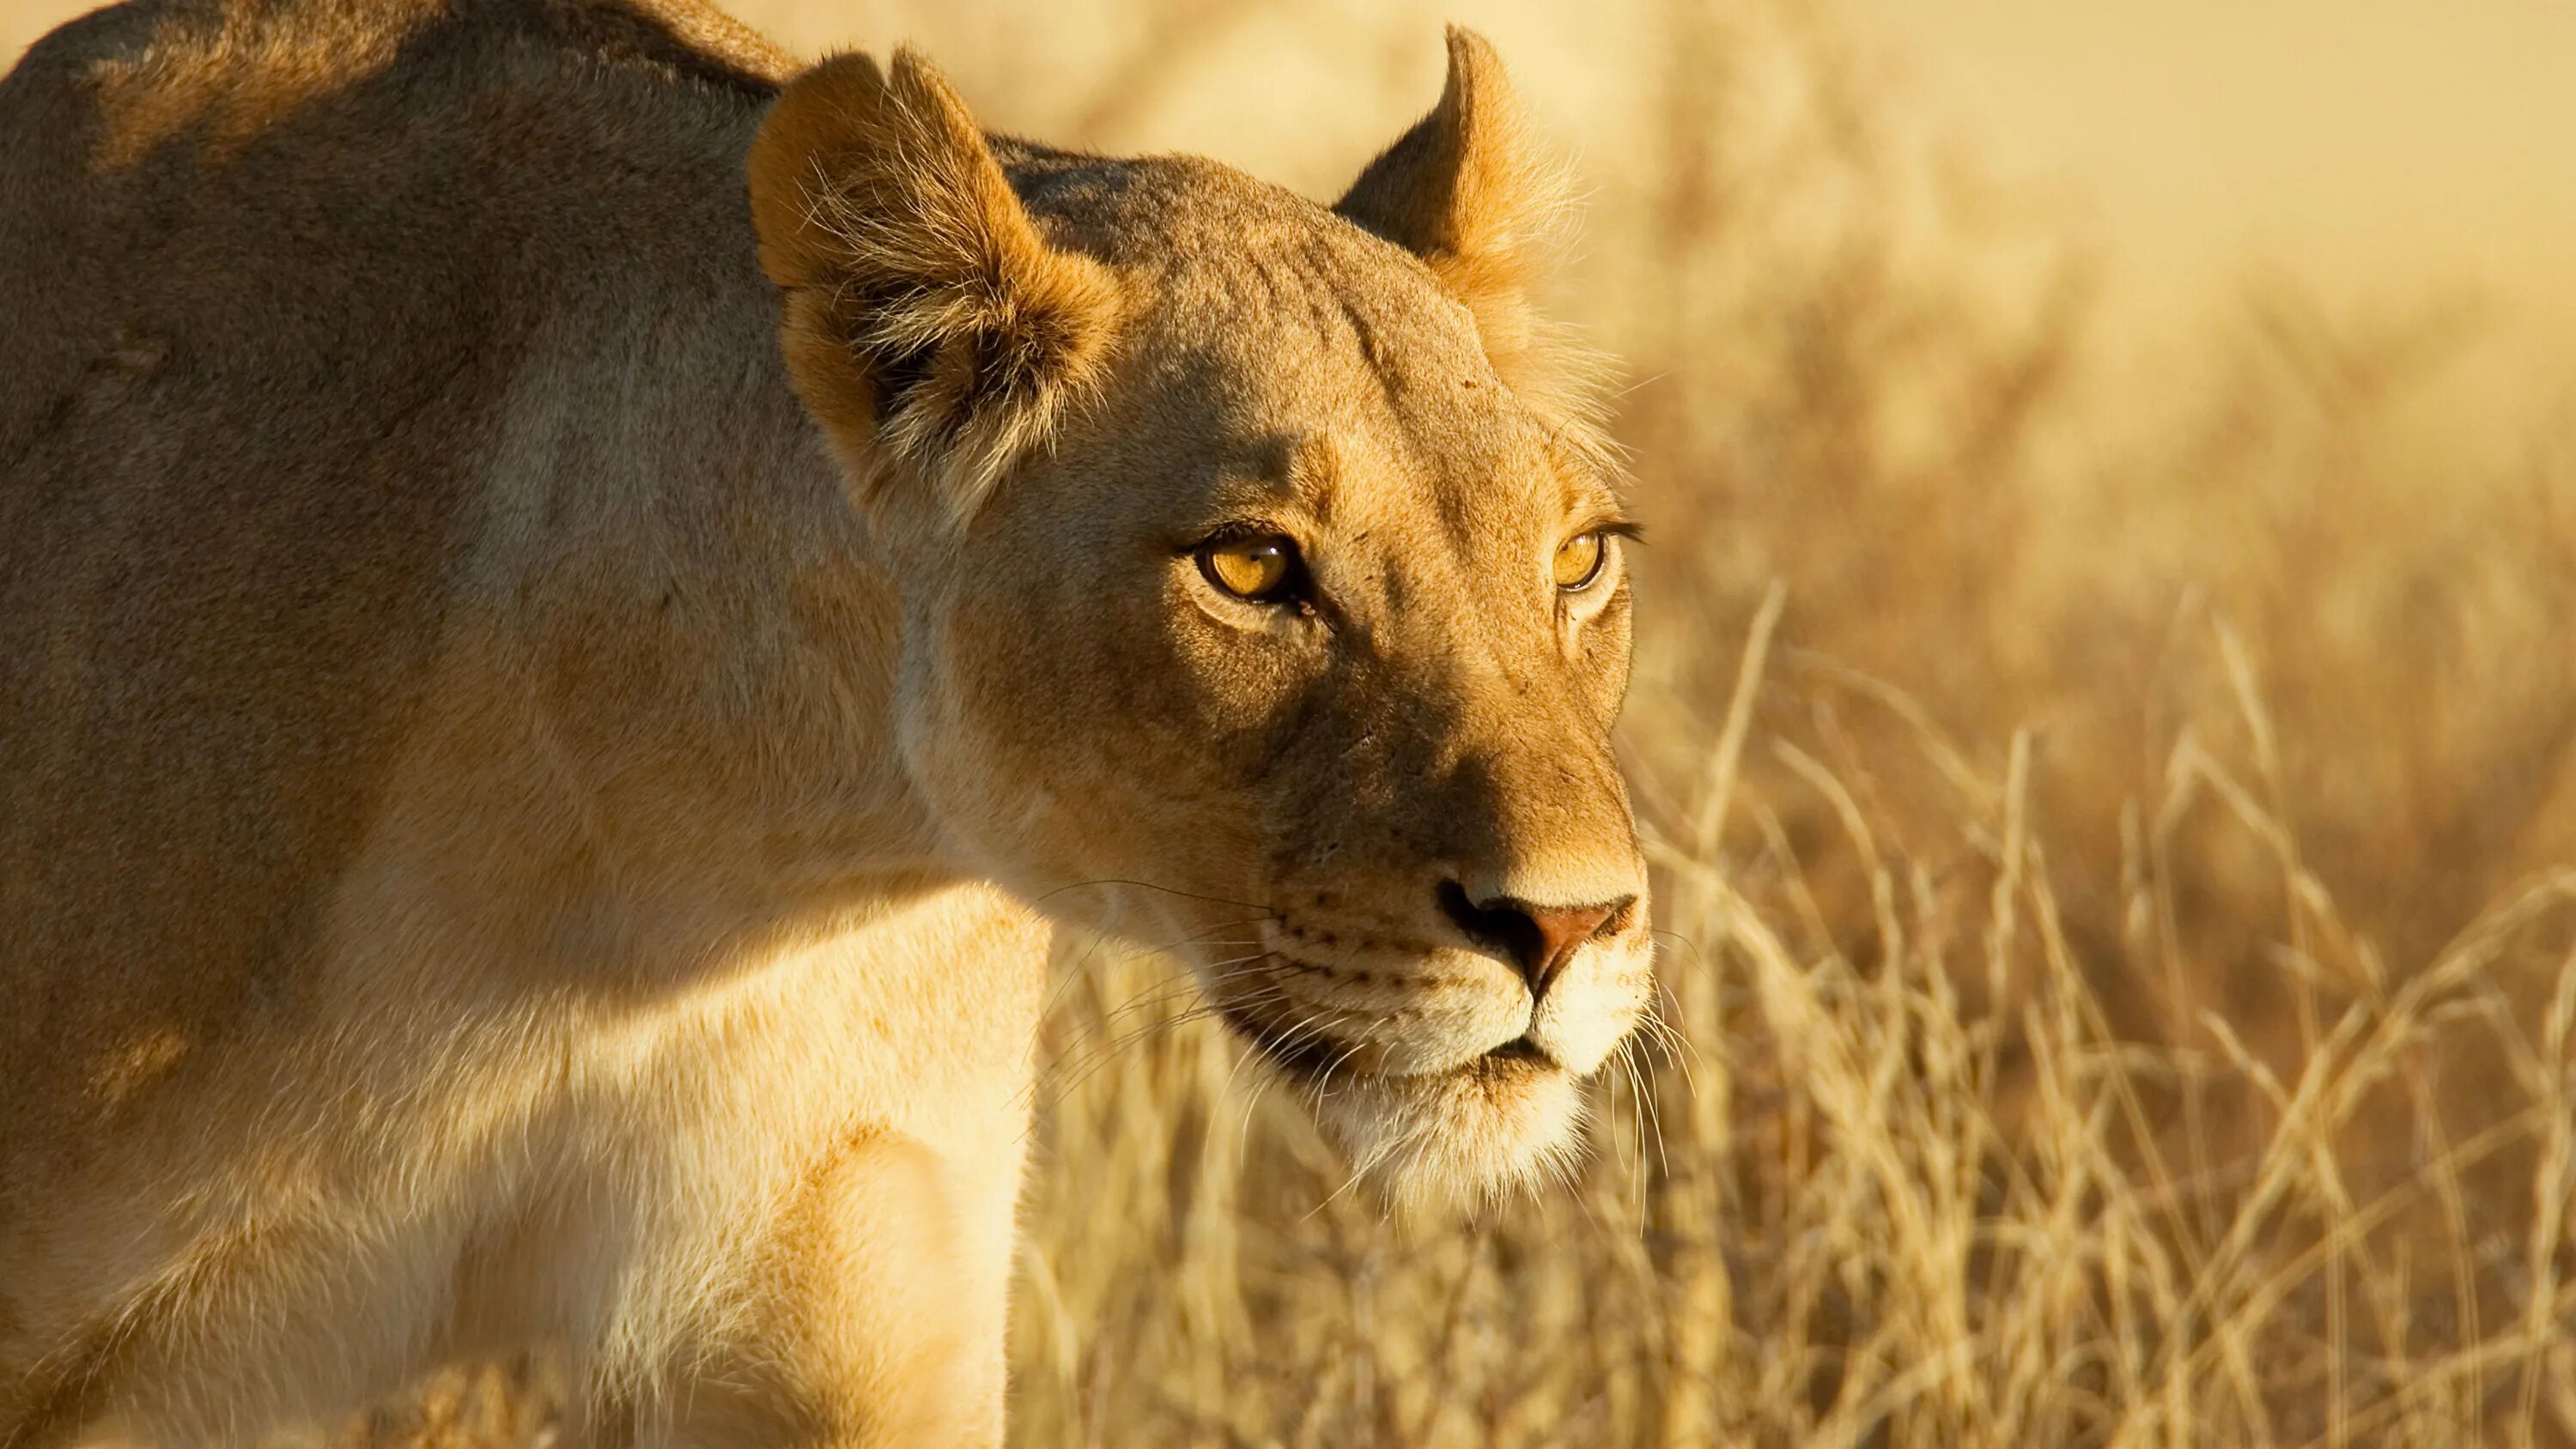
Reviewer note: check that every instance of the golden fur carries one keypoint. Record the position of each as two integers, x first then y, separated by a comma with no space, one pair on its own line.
508,839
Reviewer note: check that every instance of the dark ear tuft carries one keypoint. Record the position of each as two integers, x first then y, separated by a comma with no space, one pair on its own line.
927,323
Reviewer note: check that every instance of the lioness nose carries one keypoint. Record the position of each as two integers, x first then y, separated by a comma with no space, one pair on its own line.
1540,940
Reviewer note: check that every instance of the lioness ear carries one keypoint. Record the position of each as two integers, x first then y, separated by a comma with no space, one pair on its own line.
1467,192
927,325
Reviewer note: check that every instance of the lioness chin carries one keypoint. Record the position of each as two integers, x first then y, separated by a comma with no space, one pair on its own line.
572,603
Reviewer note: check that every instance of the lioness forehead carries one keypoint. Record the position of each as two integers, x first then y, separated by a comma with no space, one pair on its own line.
1328,368
1224,252
1154,213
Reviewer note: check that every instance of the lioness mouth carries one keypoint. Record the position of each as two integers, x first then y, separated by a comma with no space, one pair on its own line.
1312,1058
1520,1049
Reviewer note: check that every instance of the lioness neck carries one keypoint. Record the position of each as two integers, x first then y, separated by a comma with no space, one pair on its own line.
697,643
670,650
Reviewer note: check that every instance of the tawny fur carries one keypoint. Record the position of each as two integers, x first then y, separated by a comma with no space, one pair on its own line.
560,648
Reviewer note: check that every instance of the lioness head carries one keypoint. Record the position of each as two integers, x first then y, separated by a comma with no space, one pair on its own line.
1262,582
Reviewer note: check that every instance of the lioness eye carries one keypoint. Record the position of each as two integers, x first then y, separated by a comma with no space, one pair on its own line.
1578,561
1262,568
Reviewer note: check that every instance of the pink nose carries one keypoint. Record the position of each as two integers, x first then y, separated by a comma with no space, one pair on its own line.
1540,940
1561,933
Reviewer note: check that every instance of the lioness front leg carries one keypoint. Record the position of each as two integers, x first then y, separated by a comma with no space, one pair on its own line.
874,1314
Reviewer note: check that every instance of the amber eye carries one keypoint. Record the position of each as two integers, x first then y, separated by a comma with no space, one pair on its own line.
1579,560
1260,567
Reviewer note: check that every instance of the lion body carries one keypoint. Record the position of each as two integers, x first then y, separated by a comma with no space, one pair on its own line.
405,528
568,598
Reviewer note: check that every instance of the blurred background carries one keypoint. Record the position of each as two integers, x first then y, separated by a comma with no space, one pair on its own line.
2105,724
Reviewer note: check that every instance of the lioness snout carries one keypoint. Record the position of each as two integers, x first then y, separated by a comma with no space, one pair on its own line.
1538,939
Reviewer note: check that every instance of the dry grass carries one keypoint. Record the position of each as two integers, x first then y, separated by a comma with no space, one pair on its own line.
2114,849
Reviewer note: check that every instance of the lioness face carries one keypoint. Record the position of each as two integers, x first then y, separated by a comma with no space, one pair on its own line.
1296,643
1313,632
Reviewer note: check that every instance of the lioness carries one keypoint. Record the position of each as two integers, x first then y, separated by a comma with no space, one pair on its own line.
572,602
